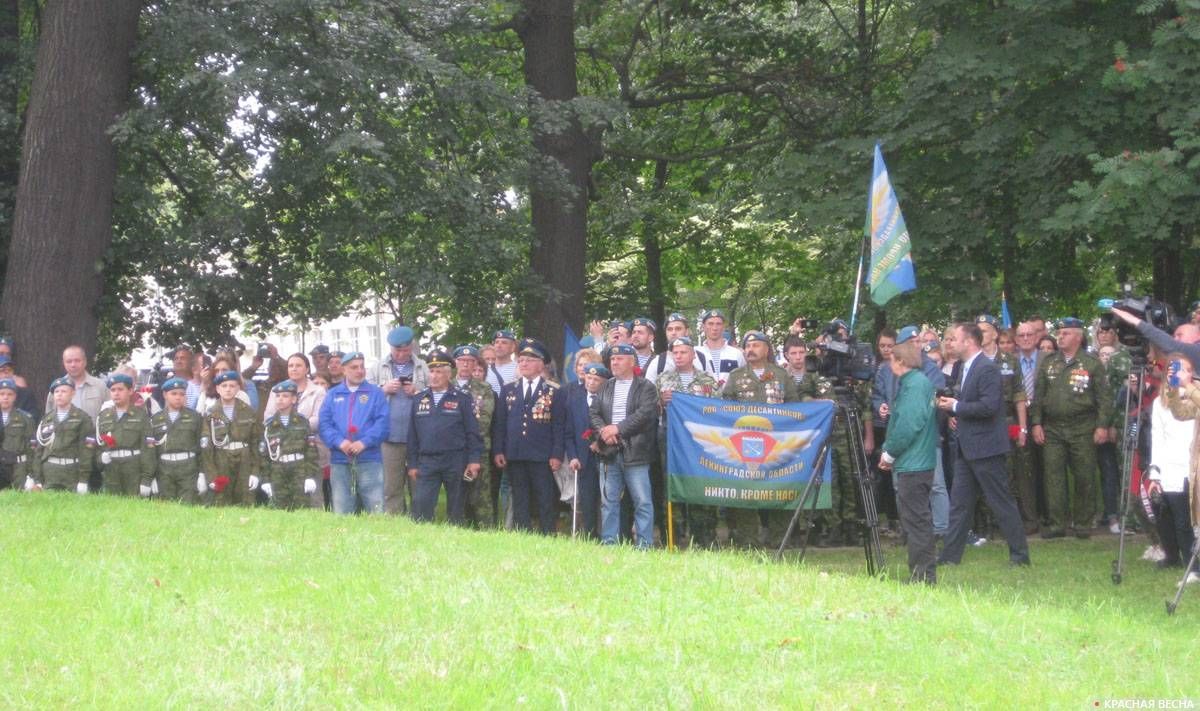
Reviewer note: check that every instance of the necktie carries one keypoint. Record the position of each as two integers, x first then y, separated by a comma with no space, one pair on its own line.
528,391
590,396
1029,375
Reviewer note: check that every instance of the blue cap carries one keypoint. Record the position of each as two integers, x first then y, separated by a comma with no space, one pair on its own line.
353,355
932,346
682,341
8,384
319,349
623,349
118,379
439,358
285,386
984,318
174,384
676,316
225,376
711,313
643,321
467,350
533,347
400,336
1070,322
506,334
5,360
755,336
839,323
60,382
587,341
596,369
906,334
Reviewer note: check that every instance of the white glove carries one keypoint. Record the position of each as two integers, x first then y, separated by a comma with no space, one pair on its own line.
266,489
310,485
154,486
29,483
81,487
201,485
143,491
105,458
253,482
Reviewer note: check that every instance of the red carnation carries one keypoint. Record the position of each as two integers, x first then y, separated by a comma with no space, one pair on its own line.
587,434
220,483
353,429
637,370
108,439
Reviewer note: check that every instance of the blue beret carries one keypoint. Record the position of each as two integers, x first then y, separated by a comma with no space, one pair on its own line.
285,386
587,341
907,334
336,354
7,341
712,313
533,347
682,341
5,360
467,350
643,321
225,376
623,349
60,382
319,349
931,346
400,336
119,378
438,358
353,355
676,316
505,334
8,384
838,323
755,336
596,369
174,384
1070,322
1195,305
985,318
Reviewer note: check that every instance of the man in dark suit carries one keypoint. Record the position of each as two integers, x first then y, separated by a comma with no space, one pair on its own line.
527,440
982,445
577,438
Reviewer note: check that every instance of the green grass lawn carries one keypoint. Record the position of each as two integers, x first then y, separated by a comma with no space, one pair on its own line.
130,604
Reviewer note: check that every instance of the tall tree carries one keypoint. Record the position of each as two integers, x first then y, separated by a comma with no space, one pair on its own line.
63,219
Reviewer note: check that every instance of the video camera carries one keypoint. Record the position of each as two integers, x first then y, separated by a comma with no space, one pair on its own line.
1156,313
843,357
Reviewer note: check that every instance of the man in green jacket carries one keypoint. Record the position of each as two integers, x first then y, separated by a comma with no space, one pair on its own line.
910,452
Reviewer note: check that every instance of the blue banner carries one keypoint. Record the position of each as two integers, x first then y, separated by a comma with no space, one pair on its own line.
746,454
570,350
891,250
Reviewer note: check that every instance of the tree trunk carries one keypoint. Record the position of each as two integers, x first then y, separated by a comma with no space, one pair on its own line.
1168,272
559,212
10,122
653,248
63,220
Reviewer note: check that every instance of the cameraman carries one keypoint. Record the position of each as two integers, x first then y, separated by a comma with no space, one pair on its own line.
910,452
1186,336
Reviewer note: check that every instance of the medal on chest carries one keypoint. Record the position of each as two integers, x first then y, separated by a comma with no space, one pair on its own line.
1080,379
541,408
423,407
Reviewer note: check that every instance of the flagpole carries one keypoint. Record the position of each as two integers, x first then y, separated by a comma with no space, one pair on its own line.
862,251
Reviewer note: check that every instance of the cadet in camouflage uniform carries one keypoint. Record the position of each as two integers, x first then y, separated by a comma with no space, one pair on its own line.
16,444
1012,390
229,445
63,459
289,453
176,431
480,509
699,521
759,380
123,441
1071,415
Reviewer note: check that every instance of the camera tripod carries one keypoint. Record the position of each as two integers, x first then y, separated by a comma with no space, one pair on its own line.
1133,394
847,412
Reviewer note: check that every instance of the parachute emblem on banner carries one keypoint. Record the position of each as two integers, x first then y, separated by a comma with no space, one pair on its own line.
749,442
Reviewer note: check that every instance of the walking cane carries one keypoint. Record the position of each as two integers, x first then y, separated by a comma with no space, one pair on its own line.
574,501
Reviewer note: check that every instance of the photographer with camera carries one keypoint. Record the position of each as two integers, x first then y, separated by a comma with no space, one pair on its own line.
401,375
981,448
1186,340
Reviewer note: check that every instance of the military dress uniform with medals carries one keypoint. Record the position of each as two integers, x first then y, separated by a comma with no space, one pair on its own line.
1073,399
443,438
229,451
177,444
125,446
16,445
63,460
289,453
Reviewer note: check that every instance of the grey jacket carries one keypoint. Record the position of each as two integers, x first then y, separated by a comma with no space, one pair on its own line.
639,429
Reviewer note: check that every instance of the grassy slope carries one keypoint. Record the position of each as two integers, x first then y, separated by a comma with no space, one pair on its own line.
128,604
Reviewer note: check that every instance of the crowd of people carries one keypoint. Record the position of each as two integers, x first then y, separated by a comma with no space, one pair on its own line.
1029,439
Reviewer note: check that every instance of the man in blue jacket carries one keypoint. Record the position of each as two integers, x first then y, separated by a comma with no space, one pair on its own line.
354,423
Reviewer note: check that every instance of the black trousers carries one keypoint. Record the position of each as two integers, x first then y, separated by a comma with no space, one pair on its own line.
587,502
987,477
1175,527
533,487
433,472
912,499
